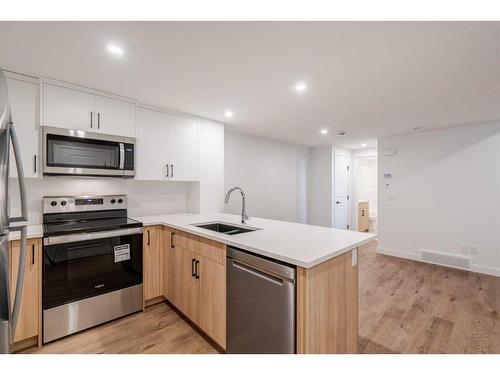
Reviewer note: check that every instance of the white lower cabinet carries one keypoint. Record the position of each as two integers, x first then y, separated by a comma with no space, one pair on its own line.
24,103
167,146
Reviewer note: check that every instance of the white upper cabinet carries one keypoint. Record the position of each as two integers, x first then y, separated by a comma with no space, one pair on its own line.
152,145
73,109
115,116
24,103
183,148
67,108
167,146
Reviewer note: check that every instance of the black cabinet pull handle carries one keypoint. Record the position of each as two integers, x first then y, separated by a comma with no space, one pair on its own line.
33,254
197,275
193,264
149,238
91,119
171,170
172,240
98,120
34,163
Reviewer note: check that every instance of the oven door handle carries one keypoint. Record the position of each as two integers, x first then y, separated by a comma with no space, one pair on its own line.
90,236
122,156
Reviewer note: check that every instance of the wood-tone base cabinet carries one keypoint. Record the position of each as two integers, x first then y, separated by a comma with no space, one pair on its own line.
152,265
193,279
28,331
195,283
327,306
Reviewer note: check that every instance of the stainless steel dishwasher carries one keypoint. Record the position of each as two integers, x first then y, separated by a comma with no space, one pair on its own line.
260,304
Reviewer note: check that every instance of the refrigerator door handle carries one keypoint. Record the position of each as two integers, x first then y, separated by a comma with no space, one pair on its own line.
20,175
23,229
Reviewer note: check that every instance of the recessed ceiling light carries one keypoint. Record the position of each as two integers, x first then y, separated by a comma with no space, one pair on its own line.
324,131
228,113
363,145
115,50
300,87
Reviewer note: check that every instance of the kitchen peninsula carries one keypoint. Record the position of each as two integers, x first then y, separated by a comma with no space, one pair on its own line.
326,268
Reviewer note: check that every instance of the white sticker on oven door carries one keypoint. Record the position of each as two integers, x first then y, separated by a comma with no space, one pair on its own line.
122,252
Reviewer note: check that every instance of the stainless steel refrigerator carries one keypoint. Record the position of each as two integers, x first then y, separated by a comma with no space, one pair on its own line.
9,313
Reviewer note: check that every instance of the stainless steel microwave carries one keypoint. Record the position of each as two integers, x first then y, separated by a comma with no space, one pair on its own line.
77,152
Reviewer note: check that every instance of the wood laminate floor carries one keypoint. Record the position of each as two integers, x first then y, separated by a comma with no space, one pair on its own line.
157,330
404,307
413,307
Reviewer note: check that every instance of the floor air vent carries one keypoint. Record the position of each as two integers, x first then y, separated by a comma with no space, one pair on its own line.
450,260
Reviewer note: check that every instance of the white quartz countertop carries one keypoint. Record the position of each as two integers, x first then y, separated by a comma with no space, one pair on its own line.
34,231
298,244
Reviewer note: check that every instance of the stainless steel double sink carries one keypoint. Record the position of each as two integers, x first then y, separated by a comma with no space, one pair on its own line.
225,228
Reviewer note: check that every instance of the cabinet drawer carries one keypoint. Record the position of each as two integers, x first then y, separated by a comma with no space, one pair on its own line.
210,249
184,240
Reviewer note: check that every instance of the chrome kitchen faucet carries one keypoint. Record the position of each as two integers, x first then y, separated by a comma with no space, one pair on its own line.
244,216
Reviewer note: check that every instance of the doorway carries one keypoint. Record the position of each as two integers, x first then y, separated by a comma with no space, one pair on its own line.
365,190
341,201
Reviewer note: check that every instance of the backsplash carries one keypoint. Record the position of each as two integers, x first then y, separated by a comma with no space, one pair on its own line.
144,197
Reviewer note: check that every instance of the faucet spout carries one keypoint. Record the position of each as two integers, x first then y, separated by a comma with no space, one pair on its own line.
244,216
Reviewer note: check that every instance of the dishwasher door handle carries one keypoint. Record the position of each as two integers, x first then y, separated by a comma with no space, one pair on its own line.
258,272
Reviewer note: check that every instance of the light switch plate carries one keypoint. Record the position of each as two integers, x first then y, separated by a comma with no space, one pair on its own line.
354,258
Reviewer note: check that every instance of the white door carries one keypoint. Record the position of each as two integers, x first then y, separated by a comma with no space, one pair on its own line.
152,148
67,108
24,103
115,117
183,143
341,188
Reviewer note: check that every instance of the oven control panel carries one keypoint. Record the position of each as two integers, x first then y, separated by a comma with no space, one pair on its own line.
83,203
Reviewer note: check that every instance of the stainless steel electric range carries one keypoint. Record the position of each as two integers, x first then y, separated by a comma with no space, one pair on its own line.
92,263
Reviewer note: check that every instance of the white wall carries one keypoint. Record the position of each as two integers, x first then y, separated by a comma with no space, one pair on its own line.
320,187
144,197
211,171
273,175
444,193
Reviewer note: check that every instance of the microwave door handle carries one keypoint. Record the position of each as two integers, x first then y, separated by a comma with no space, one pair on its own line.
122,156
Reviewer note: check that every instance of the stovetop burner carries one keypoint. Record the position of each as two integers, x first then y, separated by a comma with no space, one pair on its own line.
71,215
92,225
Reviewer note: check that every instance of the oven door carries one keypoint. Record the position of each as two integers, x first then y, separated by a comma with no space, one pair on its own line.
76,152
75,270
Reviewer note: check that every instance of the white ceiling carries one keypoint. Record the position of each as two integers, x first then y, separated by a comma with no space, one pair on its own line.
370,79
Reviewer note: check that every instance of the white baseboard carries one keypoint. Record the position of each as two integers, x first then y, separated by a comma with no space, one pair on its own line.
407,255
486,270
399,254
